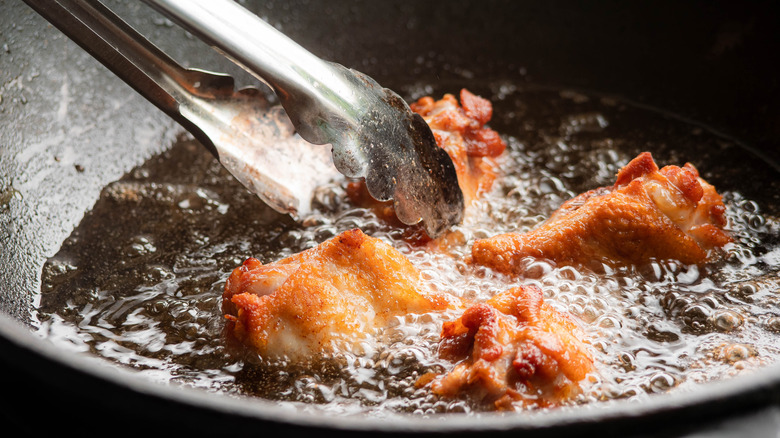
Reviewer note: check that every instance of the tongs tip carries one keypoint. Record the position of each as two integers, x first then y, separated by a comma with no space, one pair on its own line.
401,160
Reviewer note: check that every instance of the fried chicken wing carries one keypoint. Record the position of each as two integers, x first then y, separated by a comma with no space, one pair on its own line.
513,349
460,130
669,214
326,299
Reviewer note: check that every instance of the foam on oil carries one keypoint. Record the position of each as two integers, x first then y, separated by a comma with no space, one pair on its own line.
139,282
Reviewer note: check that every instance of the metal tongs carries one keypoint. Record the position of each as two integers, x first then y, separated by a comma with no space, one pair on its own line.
373,133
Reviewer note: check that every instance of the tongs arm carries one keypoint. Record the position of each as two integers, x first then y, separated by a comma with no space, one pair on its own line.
134,59
252,140
373,132
298,77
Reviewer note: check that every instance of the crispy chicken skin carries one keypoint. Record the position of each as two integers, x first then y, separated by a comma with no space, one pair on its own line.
514,349
326,299
460,130
668,214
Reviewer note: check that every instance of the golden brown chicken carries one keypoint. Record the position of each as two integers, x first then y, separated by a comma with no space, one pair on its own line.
667,214
512,350
324,300
460,130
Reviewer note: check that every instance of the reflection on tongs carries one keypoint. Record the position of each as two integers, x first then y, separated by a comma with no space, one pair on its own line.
273,151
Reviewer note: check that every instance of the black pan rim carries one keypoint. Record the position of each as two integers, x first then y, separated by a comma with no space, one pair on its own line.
717,399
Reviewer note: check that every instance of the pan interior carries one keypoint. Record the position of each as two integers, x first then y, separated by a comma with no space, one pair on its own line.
139,281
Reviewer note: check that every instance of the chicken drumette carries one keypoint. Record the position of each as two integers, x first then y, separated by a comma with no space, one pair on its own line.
650,213
324,300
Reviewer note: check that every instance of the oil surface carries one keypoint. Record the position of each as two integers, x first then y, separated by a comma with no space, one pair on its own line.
139,281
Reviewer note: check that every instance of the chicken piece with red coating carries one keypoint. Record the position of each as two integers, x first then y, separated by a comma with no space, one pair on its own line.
328,299
460,130
514,350
649,213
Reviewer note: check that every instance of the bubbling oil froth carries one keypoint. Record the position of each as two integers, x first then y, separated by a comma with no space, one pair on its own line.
146,294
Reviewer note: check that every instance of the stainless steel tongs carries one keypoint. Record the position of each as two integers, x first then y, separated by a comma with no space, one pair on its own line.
373,133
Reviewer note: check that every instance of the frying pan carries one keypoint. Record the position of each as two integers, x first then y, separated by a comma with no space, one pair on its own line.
68,127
